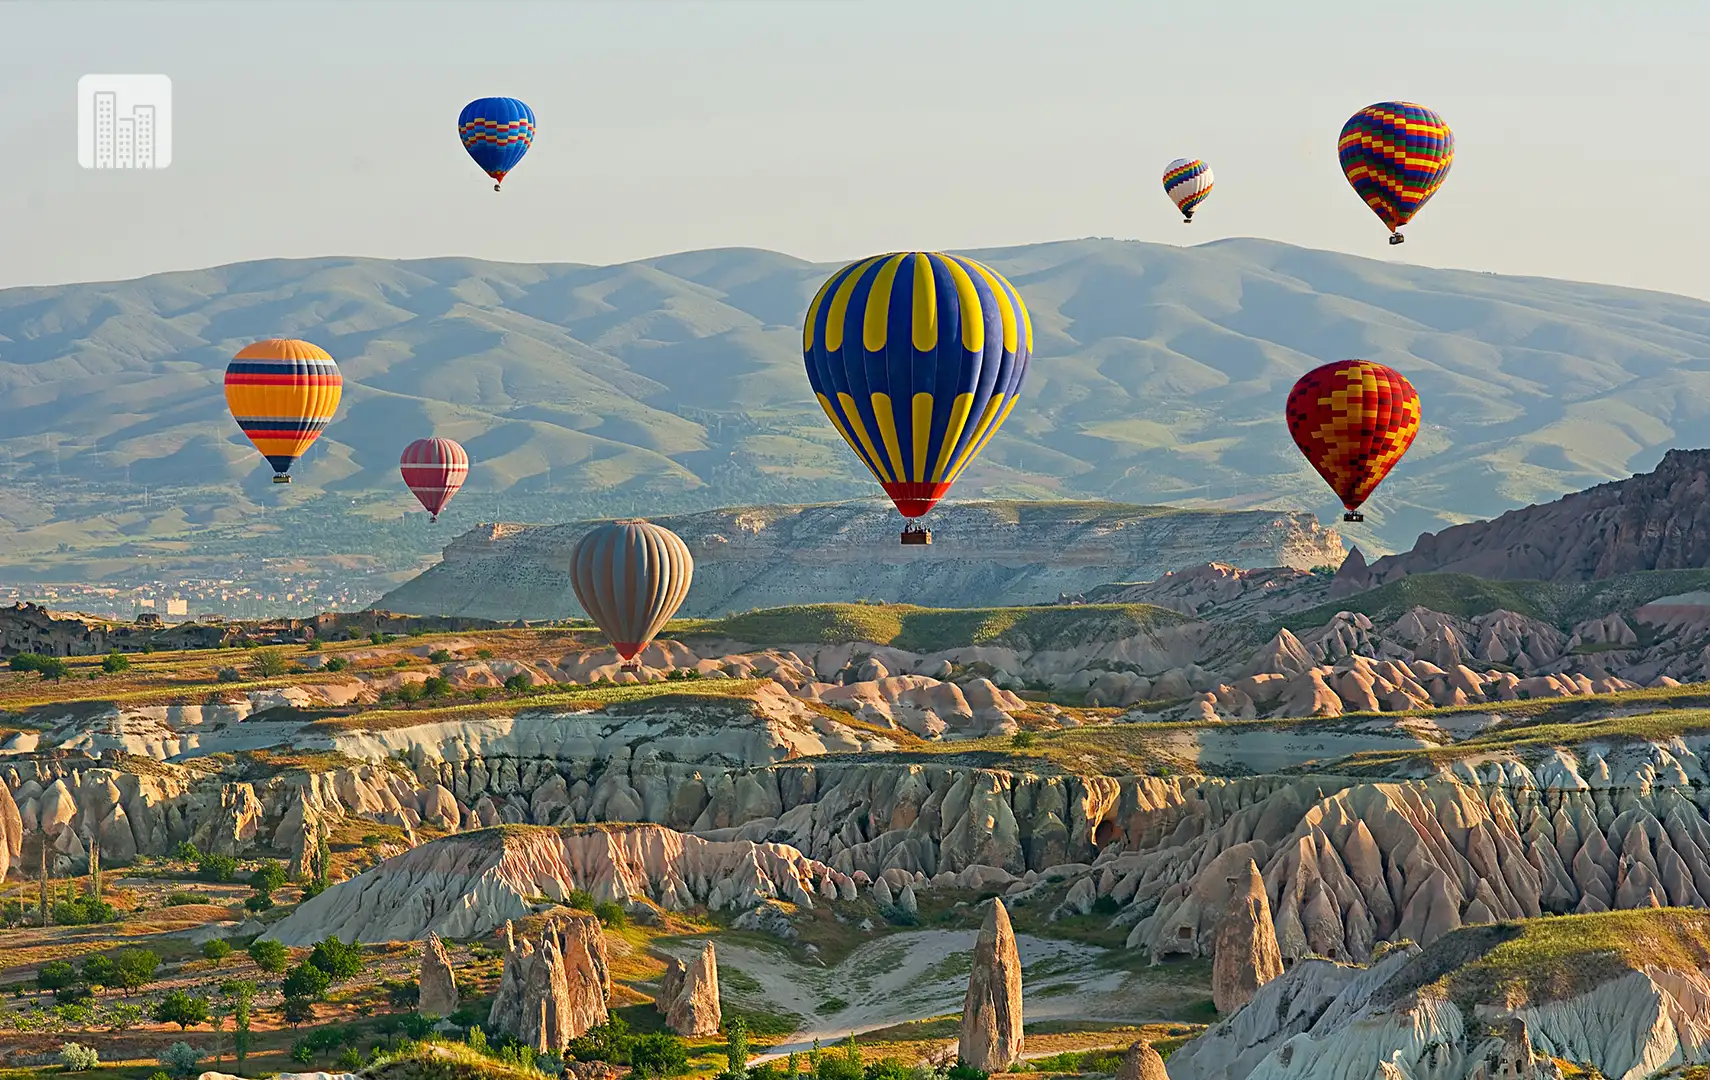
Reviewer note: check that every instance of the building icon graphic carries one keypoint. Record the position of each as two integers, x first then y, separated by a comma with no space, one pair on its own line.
124,121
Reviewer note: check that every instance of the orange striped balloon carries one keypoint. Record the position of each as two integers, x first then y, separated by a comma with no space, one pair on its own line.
283,393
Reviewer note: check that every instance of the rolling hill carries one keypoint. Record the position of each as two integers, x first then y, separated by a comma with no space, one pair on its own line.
673,384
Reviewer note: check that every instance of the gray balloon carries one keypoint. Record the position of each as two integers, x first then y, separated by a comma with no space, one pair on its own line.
631,577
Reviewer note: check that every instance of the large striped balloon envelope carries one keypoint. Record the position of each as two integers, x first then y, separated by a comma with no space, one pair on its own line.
917,358
631,576
1396,155
283,393
433,470
1353,420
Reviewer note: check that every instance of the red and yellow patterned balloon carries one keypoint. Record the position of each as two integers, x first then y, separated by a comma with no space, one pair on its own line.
1353,420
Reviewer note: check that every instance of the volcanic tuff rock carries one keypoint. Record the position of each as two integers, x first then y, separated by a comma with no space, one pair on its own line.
551,992
984,553
1627,1009
688,994
991,1012
1245,954
1141,1062
1658,520
463,886
437,982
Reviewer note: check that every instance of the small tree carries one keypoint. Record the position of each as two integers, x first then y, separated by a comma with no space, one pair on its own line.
241,994
136,968
78,1058
216,950
182,1009
185,851
269,956
53,668
340,960
306,981
268,664
180,1059
115,662
55,975
610,913
269,876
297,1010
101,971
736,1047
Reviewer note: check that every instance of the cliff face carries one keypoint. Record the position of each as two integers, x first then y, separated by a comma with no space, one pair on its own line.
1658,520
983,554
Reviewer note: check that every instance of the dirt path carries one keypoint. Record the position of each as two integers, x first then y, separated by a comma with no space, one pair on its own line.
911,976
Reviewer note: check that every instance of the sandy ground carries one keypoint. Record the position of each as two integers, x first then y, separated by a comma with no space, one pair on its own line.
1270,751
916,975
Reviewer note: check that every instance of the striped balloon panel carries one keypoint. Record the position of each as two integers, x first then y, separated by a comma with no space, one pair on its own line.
1187,183
1396,155
433,470
1353,420
917,358
497,132
283,393
631,577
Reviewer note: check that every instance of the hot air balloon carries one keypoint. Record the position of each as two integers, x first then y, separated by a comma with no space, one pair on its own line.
631,577
917,358
497,132
1396,155
434,469
1353,420
283,393
1187,183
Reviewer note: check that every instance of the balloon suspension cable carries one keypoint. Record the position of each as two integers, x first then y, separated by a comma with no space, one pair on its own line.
1353,515
1397,238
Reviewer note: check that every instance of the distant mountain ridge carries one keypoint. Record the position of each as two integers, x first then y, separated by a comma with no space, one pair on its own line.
675,383
985,554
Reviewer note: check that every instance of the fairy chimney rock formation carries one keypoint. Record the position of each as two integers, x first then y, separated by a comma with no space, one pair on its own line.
1141,1062
1353,576
688,994
991,1012
1245,955
552,988
438,984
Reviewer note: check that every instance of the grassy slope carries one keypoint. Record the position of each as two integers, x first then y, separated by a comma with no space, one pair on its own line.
1561,603
919,629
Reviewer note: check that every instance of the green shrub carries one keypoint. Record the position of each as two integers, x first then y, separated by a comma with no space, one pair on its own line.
611,913
336,663
53,668
1021,740
580,899
483,654
519,683
115,662
27,661
268,664
269,876
305,981
658,1054
436,686
211,866
297,1010
225,674
440,656
180,1059
312,645
180,1008
55,975
136,968
269,956
78,1058
83,911
216,950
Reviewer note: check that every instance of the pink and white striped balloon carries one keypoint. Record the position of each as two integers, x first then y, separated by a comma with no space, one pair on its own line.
434,469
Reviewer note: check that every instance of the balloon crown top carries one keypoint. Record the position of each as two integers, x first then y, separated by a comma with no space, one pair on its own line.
630,521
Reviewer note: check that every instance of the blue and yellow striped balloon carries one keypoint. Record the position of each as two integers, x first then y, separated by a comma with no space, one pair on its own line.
917,358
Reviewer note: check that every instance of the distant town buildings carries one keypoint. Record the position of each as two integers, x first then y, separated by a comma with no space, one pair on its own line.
260,596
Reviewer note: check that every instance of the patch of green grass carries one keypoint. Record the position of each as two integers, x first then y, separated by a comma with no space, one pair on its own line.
920,629
1554,958
1562,603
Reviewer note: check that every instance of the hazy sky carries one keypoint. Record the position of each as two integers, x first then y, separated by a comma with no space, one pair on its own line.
832,129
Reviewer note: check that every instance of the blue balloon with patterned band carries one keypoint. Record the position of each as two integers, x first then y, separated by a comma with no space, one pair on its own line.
497,132
917,358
